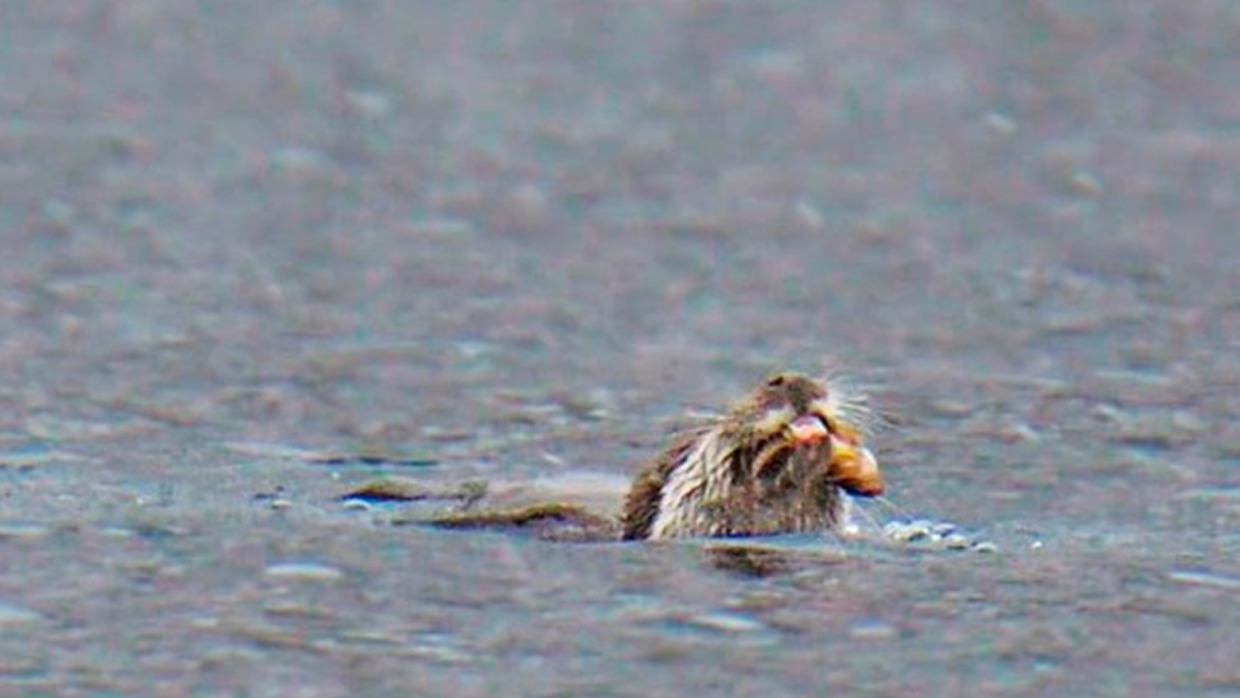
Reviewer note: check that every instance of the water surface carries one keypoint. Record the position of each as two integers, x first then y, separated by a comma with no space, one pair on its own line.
515,241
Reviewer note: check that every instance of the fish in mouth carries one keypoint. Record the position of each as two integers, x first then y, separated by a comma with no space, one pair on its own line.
782,460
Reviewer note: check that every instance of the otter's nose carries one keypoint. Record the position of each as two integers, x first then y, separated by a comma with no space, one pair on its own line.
808,429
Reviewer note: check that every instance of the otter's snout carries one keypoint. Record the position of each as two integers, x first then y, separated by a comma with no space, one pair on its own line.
808,429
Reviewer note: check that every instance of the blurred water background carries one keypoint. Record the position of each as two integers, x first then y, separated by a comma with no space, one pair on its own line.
254,253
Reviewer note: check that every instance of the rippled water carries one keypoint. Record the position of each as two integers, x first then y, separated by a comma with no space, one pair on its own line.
254,258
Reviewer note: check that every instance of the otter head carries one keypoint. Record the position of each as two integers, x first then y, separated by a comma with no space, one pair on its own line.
792,413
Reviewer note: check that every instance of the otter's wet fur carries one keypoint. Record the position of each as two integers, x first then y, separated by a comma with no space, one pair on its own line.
780,461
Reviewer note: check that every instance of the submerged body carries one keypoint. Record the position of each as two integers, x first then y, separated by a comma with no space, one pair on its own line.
781,461
784,459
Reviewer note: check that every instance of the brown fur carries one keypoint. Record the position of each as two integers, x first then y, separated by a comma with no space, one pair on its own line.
642,505
754,480
551,521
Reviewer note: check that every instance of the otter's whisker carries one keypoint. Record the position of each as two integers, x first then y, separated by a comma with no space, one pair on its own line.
869,516
893,507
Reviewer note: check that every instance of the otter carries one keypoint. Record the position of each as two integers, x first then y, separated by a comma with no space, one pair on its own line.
780,461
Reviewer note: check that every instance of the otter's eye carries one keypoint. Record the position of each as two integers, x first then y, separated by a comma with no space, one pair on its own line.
775,382
827,422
